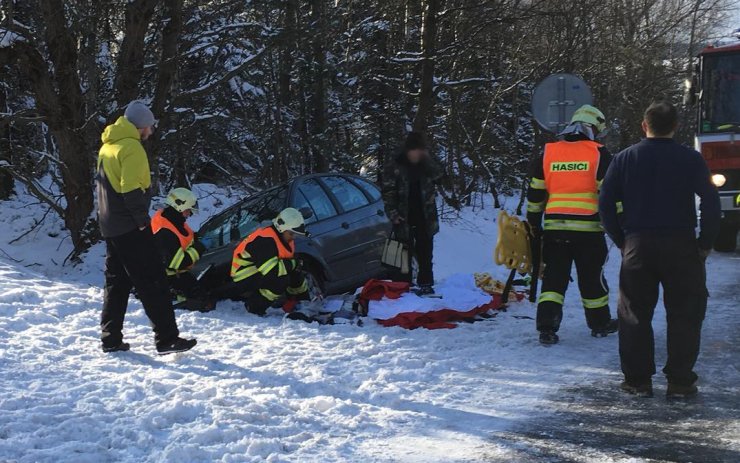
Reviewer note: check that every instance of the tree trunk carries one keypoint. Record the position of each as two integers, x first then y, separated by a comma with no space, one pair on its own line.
425,110
319,147
130,66
165,79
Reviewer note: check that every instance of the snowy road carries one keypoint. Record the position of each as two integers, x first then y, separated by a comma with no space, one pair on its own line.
257,390
593,421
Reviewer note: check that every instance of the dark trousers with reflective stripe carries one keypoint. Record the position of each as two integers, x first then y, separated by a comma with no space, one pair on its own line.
673,261
560,250
132,261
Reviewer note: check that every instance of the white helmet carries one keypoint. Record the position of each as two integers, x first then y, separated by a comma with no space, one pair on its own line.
290,220
182,199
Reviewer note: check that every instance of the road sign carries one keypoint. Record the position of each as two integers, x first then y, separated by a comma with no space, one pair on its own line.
556,98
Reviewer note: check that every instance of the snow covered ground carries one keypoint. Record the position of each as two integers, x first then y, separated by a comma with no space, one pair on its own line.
257,390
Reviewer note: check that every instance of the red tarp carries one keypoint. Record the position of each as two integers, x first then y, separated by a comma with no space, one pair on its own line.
375,290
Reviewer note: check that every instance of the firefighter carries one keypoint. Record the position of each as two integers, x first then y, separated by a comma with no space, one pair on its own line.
180,248
264,267
565,186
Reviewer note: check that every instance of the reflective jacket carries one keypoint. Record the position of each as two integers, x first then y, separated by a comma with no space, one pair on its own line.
175,240
565,184
123,180
263,262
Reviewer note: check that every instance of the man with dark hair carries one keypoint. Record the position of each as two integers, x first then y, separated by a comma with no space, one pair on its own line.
409,193
661,119
653,184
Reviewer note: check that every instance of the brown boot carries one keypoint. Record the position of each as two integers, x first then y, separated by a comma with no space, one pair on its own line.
680,391
640,390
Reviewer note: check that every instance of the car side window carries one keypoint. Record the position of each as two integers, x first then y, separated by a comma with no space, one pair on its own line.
302,203
260,209
369,188
217,232
349,196
317,199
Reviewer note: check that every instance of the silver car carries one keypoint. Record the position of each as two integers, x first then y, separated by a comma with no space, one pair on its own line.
345,218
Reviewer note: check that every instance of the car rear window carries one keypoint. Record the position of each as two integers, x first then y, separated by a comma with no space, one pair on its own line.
369,188
349,196
317,199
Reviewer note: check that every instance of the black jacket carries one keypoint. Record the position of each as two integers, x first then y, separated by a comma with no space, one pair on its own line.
398,197
655,181
169,244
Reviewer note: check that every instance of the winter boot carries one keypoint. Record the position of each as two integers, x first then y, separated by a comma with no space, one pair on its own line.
679,391
122,347
178,345
549,337
640,390
611,327
426,291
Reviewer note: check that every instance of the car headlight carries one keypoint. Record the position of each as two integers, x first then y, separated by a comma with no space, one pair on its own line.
719,180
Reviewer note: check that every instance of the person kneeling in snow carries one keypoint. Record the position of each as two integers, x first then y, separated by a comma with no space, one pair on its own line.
180,248
264,267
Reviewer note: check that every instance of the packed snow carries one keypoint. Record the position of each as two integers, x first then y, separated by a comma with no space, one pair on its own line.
275,390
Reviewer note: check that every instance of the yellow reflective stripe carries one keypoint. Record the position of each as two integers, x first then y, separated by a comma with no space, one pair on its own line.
177,260
268,265
620,207
551,296
300,289
269,295
574,196
242,262
537,184
536,207
573,225
193,253
597,303
282,271
577,204
171,272
244,273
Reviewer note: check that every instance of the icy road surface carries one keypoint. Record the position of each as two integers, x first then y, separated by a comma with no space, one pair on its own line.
264,390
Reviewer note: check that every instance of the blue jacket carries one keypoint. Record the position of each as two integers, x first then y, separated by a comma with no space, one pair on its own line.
654,183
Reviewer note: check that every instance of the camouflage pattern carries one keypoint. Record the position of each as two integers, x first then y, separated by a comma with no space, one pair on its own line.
396,185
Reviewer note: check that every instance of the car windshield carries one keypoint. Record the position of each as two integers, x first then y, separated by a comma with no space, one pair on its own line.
243,219
721,94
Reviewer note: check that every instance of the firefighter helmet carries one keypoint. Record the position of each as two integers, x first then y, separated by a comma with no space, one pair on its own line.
591,115
182,199
290,220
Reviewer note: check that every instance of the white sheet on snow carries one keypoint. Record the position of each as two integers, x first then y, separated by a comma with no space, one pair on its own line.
458,292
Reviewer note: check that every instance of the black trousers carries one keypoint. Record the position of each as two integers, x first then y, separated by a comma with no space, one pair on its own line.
560,250
421,247
133,262
673,261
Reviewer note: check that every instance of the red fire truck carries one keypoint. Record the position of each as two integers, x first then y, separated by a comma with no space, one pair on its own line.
717,86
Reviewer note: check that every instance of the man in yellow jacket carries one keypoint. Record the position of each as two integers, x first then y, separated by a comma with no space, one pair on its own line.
132,260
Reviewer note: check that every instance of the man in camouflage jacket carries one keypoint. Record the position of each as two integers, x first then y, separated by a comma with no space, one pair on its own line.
409,193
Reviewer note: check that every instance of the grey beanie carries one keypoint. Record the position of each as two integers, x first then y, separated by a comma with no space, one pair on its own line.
139,114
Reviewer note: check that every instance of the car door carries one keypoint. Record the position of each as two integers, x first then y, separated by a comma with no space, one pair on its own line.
359,223
327,227
377,228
